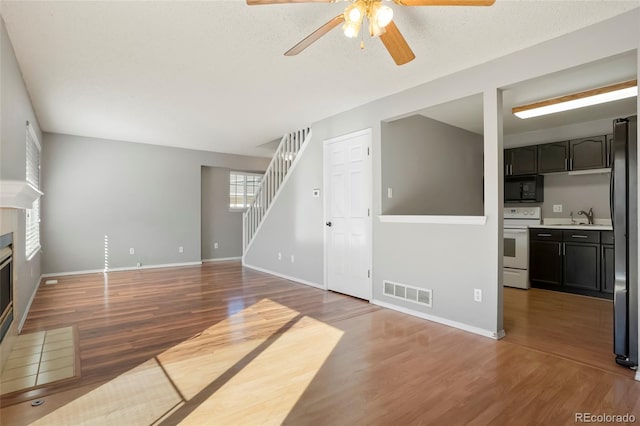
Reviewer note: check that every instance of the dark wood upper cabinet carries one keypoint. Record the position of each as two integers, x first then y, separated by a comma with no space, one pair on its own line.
588,153
553,157
521,161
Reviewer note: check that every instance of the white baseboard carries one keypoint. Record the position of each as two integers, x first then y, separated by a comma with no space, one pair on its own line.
125,268
439,320
286,277
221,259
638,376
23,319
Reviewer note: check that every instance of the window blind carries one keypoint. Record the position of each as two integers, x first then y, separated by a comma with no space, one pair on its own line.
242,189
32,229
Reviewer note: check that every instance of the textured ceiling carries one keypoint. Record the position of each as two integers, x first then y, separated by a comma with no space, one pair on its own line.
466,113
211,75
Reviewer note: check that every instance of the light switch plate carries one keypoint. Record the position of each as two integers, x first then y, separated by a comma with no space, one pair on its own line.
557,208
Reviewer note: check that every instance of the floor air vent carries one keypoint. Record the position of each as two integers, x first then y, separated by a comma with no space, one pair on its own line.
406,292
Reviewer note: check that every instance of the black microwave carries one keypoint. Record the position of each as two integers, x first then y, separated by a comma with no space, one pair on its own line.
524,189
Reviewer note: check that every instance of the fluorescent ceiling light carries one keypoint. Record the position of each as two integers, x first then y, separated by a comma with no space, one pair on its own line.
615,92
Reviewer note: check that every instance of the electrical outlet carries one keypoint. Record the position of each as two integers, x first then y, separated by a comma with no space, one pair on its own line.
132,251
389,192
215,245
279,256
139,264
292,259
477,295
180,249
557,208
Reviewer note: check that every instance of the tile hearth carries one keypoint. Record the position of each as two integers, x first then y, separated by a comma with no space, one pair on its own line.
39,358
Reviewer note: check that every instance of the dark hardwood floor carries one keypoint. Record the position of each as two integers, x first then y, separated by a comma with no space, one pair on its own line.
226,336
572,326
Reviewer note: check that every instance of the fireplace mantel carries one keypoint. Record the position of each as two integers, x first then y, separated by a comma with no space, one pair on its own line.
16,194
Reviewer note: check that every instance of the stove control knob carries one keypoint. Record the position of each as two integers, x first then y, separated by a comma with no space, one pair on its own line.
526,212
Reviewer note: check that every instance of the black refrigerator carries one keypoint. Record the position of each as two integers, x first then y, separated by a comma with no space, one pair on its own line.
624,215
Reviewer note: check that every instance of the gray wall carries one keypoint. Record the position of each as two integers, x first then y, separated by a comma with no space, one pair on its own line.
433,168
575,193
219,224
16,111
450,259
292,225
141,196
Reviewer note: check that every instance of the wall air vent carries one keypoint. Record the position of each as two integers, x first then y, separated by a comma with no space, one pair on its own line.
407,292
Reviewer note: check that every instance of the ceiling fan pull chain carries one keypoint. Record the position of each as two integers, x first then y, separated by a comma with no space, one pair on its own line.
362,40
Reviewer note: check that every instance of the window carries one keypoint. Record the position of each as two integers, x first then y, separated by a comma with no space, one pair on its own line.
242,189
32,237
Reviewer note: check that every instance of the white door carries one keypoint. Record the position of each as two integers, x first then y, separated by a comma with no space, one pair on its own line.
347,171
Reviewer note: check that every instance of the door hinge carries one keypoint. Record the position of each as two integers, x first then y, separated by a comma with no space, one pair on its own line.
368,212
368,153
368,273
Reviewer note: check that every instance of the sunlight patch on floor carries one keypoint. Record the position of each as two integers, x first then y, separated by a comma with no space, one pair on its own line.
266,390
140,396
260,360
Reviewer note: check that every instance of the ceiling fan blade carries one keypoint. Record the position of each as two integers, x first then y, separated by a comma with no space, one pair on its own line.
396,45
445,2
261,2
314,36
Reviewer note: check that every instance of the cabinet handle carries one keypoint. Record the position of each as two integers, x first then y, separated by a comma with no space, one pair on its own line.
559,254
564,249
544,235
566,160
571,164
579,236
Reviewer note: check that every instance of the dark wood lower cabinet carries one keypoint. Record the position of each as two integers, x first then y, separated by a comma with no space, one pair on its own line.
573,261
608,269
582,266
545,262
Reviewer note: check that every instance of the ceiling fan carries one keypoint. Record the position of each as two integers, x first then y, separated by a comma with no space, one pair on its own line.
379,18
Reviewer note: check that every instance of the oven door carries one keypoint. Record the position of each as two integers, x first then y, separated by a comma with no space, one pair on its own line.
516,248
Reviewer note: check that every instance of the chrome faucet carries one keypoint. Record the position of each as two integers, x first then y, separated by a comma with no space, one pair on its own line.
588,214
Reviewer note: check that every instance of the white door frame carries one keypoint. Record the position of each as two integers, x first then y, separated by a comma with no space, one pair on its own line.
369,190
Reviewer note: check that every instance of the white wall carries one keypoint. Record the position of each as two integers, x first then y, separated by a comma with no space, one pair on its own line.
450,259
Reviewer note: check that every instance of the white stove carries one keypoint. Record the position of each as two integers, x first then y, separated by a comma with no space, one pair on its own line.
516,244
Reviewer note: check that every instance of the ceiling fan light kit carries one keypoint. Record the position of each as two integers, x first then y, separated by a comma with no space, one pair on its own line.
379,17
587,98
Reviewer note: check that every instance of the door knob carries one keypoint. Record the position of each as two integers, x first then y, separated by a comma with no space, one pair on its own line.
329,224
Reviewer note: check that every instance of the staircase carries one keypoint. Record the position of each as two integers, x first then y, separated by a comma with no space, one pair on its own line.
274,176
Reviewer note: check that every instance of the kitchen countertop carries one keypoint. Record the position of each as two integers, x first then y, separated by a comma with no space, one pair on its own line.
596,227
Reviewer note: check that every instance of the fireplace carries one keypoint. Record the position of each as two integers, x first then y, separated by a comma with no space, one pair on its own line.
6,283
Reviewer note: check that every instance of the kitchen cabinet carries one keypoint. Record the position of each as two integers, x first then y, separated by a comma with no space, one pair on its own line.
588,153
581,254
573,261
607,262
553,157
545,257
582,266
521,161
